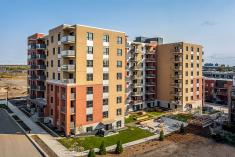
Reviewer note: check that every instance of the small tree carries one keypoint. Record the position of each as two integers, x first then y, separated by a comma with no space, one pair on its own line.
161,137
91,153
119,148
102,150
182,128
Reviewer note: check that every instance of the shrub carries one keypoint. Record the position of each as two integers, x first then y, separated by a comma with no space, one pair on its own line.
91,153
102,150
119,148
161,137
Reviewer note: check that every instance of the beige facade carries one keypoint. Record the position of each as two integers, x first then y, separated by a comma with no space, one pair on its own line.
179,79
81,57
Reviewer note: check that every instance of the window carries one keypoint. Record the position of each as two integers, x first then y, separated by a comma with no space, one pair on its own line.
105,63
186,81
89,50
47,74
106,38
186,90
191,89
197,73
186,65
89,90
198,58
105,114
89,77
47,42
106,101
197,65
191,57
119,99
119,76
58,63
105,76
51,99
89,129
105,89
197,96
53,76
119,111
58,76
89,63
47,63
191,48
119,52
186,56
191,65
58,50
119,88
51,112
186,48
186,73
89,36
89,103
198,50
119,124
89,117
186,98
191,81
52,39
119,64
119,40
191,97
197,80
53,51
58,37
105,51
191,73
197,88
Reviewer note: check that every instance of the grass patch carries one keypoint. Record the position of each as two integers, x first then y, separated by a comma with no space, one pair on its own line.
155,113
130,119
182,117
133,117
125,136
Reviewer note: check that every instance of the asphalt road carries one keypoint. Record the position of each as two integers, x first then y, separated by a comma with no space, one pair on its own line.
13,143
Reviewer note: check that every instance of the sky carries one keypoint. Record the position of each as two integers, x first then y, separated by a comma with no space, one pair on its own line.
210,23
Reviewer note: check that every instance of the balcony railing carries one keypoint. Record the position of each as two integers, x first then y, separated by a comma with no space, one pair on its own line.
72,96
41,56
150,67
68,53
68,39
150,75
137,93
68,81
68,67
33,87
41,88
40,46
41,67
42,77
177,85
72,110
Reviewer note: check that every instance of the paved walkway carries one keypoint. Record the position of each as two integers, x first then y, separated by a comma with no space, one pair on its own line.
58,148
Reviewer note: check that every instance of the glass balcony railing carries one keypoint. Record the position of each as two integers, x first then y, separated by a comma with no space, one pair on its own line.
68,53
68,67
68,39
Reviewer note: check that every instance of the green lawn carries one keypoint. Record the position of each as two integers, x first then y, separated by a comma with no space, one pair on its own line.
125,136
182,117
155,113
132,117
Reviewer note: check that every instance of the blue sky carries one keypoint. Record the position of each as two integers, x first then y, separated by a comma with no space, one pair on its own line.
207,22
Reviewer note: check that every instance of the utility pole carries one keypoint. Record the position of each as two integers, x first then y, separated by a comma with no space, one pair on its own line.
7,96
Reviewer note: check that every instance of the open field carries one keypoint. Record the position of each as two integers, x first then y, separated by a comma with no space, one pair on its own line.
17,86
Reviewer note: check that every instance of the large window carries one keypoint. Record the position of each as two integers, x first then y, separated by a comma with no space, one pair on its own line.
106,38
119,52
89,117
106,51
105,63
89,103
89,50
89,36
89,63
119,40
89,90
89,77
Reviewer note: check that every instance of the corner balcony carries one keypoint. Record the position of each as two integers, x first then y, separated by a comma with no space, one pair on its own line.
68,67
68,53
68,39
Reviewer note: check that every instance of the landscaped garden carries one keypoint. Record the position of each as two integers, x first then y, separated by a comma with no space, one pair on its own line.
134,117
125,136
181,117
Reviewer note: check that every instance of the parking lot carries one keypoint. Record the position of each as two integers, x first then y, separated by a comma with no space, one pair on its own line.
13,141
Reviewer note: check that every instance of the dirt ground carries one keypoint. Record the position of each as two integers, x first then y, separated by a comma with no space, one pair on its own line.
17,87
192,144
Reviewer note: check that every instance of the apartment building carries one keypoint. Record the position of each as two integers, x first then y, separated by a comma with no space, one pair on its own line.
85,78
36,73
232,103
179,76
142,73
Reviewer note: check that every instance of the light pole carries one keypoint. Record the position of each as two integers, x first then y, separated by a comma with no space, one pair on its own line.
7,96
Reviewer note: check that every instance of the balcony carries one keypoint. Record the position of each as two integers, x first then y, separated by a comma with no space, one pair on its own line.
72,96
138,77
150,67
33,56
150,84
41,67
68,53
42,78
176,85
177,76
68,81
41,88
32,77
175,93
72,125
68,39
40,46
68,67
72,110
179,51
33,87
150,60
62,109
137,85
178,68
137,93
41,56
150,75
33,66
150,92
177,60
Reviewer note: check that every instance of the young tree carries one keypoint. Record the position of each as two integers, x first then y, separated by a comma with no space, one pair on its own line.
91,153
102,150
161,137
119,148
182,128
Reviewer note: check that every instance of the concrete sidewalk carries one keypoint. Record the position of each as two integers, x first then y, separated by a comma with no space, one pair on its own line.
51,142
